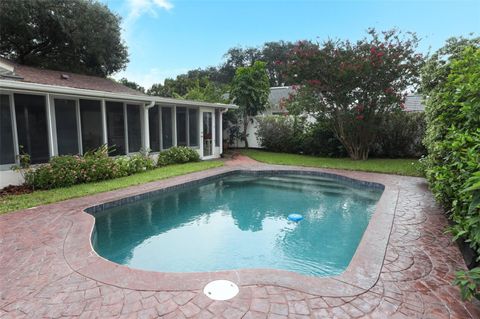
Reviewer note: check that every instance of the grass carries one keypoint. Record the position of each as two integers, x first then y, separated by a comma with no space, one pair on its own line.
406,167
15,202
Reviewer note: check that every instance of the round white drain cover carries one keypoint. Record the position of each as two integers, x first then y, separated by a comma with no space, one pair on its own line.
220,290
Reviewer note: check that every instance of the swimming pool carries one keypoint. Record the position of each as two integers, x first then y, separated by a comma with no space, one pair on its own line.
240,222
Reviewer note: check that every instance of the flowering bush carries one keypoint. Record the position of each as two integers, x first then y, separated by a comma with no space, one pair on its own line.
68,170
177,155
354,85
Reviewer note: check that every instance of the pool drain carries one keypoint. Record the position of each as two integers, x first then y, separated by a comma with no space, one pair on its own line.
220,290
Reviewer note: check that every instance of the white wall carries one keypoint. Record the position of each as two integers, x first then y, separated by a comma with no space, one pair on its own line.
10,178
251,135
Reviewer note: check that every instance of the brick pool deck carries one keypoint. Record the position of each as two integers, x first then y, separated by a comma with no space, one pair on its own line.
47,270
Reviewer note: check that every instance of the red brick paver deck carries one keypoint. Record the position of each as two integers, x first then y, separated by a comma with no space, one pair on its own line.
37,280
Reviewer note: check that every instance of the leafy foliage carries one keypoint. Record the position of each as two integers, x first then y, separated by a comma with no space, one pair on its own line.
81,36
401,135
250,90
132,85
209,92
177,155
453,143
468,281
354,85
274,54
280,133
68,170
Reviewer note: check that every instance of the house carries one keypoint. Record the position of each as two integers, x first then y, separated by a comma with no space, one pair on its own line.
275,101
46,113
413,103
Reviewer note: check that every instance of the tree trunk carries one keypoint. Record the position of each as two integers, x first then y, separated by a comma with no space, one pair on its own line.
245,128
358,152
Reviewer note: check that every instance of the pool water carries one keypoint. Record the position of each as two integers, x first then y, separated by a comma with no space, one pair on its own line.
241,221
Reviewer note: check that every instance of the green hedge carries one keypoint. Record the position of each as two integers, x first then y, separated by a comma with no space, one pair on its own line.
453,143
68,170
178,155
64,171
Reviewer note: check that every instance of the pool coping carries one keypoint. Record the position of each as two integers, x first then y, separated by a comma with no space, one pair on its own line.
361,274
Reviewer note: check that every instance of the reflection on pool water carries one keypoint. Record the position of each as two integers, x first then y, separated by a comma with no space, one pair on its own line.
240,221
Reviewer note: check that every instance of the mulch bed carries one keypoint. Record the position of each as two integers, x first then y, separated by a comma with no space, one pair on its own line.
15,190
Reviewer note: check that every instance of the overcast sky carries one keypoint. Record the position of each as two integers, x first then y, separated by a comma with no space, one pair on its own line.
169,37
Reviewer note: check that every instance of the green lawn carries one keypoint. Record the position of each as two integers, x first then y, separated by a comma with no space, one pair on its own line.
16,202
380,165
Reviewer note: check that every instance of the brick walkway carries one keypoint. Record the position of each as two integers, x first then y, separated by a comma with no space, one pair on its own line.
36,280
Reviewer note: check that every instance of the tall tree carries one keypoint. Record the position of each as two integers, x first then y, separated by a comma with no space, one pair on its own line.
81,36
355,85
276,54
250,90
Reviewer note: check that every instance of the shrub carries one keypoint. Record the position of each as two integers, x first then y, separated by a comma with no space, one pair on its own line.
453,143
64,171
278,133
401,135
128,165
319,140
177,155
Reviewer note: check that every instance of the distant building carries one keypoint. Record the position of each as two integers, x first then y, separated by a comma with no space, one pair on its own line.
413,103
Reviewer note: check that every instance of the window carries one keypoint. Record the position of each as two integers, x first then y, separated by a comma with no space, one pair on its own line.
217,127
181,126
193,126
153,126
134,128
167,138
7,155
91,124
116,127
66,122
30,112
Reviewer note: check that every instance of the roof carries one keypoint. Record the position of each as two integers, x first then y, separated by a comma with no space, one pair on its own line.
15,76
17,72
413,103
278,94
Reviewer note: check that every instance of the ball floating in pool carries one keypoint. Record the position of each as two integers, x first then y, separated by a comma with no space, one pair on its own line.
295,217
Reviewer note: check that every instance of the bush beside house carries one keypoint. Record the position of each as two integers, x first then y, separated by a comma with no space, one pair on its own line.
68,170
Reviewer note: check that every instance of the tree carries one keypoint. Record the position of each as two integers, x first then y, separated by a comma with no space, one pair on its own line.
276,54
132,85
354,85
81,36
235,58
208,92
250,90
437,68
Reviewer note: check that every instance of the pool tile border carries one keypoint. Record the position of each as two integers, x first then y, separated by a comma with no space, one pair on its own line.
361,274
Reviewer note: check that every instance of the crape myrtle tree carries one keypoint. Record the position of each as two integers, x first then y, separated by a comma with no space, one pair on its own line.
353,86
249,90
81,36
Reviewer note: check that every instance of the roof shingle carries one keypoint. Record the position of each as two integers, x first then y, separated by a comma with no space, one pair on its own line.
30,74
